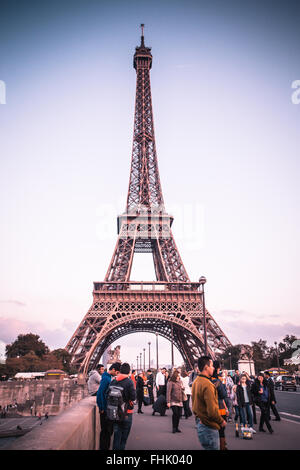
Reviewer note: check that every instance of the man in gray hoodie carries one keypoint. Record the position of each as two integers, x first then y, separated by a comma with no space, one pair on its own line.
94,379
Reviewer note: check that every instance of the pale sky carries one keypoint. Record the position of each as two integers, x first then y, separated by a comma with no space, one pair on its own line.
227,138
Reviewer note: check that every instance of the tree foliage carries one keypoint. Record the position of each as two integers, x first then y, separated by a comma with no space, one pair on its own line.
25,344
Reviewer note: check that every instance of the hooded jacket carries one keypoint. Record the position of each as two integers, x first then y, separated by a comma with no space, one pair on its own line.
128,392
94,379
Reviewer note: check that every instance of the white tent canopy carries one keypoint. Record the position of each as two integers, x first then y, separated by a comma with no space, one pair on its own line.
29,375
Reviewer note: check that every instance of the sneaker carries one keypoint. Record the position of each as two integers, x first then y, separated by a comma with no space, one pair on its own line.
252,430
262,430
178,430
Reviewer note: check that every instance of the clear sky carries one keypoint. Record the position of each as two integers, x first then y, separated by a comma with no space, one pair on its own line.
227,137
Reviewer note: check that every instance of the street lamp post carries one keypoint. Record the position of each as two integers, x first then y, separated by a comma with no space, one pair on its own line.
275,342
229,354
156,334
149,353
137,364
144,359
202,281
141,362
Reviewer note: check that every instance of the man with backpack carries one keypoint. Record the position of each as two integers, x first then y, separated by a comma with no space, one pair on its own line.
120,403
106,424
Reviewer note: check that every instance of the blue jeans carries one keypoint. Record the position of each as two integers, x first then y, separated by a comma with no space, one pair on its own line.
246,411
121,433
208,437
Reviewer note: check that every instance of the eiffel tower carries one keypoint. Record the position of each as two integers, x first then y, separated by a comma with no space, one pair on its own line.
171,306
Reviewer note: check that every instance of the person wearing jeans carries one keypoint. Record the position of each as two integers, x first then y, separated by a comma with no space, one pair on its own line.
122,428
121,432
205,406
245,401
208,437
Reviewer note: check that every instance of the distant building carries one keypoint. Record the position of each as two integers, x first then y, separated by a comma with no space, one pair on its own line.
55,374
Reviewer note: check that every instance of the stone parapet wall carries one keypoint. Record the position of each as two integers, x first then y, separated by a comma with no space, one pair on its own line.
77,428
50,396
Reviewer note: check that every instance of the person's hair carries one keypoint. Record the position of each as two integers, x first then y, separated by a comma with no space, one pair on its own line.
174,375
243,375
184,373
125,368
99,366
149,370
267,373
133,370
163,368
203,361
216,365
116,366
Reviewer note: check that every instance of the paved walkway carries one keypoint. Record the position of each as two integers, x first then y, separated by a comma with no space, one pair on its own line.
154,433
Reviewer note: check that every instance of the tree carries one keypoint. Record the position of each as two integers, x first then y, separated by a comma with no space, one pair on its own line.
260,354
64,357
230,355
24,344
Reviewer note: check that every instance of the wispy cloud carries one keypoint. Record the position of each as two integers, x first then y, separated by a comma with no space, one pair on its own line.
243,331
55,338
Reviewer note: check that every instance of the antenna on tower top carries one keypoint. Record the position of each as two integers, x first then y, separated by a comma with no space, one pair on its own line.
142,38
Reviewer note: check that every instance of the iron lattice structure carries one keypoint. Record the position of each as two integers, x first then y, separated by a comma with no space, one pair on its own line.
171,306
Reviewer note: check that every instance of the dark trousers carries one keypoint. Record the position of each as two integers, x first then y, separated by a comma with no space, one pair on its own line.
150,389
186,407
106,432
275,412
254,413
264,417
237,413
176,412
162,390
139,402
121,433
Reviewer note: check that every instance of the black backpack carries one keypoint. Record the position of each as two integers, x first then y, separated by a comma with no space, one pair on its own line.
116,408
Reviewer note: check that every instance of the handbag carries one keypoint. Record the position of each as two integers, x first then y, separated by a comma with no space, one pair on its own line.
146,398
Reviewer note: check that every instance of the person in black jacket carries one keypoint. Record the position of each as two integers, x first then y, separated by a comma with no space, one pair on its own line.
245,401
222,395
273,407
140,391
263,396
122,428
150,385
160,406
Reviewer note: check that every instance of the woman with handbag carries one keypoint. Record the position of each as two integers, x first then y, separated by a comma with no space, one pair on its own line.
175,398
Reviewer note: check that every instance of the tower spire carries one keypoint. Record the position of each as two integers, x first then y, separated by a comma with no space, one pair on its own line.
142,37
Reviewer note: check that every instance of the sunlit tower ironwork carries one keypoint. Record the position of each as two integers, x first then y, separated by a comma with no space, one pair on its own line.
172,306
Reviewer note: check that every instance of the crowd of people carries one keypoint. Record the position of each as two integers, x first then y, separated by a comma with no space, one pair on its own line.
216,399
6,409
